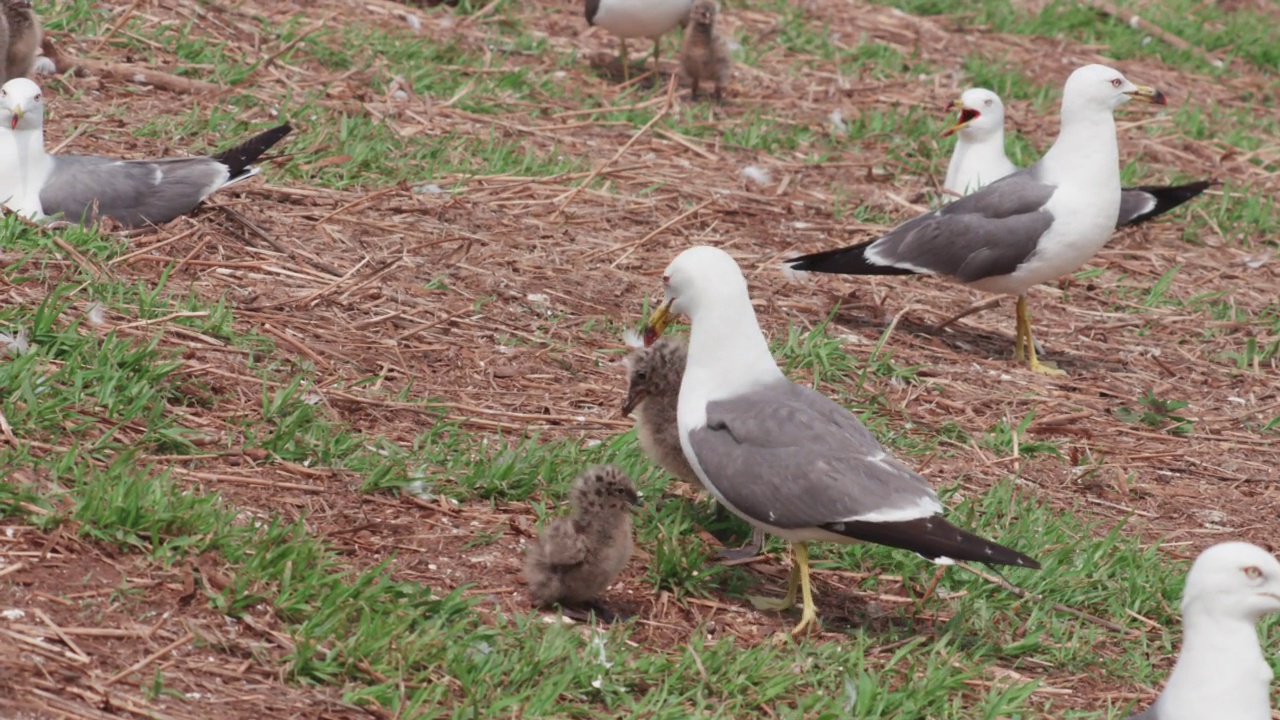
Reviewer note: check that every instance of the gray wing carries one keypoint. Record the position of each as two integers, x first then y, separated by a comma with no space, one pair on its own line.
133,192
793,458
983,234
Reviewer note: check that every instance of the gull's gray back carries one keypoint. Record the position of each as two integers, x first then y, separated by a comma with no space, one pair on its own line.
984,234
793,458
83,188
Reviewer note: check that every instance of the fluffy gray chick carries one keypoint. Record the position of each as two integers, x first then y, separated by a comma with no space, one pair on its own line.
704,56
19,39
654,375
575,558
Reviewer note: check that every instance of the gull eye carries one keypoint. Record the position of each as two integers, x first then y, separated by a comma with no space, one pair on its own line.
1117,82
988,102
38,96
1253,572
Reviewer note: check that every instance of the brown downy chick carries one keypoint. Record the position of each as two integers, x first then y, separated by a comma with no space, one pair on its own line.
705,54
654,375
23,39
575,558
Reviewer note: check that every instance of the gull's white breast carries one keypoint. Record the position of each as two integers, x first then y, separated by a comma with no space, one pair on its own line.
641,18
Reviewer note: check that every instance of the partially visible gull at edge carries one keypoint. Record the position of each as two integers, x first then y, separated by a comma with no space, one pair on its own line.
979,159
783,457
83,188
1030,227
1221,671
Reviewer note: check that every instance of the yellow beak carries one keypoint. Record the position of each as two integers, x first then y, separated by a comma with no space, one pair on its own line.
1148,95
658,322
17,115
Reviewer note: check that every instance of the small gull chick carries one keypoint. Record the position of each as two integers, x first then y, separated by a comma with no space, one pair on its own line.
577,557
1221,671
19,39
654,374
705,55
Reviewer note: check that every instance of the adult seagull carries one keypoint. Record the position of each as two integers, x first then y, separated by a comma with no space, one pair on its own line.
979,159
1030,227
637,18
1221,671
781,456
83,188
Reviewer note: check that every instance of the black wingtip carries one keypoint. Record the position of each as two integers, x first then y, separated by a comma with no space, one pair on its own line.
934,538
850,260
1167,197
238,158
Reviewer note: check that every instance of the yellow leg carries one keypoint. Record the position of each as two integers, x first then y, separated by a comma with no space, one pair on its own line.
808,612
786,602
1024,342
626,62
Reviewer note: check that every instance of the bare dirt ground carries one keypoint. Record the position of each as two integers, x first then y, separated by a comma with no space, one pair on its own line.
337,278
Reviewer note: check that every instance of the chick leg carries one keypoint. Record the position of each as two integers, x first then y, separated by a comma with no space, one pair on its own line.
657,45
786,601
749,550
626,62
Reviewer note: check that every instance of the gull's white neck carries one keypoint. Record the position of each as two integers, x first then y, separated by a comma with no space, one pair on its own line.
1085,153
728,355
1220,672
30,165
977,161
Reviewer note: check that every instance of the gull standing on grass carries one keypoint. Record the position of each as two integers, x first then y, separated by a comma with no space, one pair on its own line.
83,188
637,18
979,160
783,457
1221,673
1031,227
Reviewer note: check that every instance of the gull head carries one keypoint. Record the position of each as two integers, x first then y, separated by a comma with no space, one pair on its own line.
21,105
603,487
655,371
1100,88
981,115
701,278
1233,580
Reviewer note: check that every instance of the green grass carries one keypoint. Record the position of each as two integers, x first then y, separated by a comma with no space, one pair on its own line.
113,402
354,625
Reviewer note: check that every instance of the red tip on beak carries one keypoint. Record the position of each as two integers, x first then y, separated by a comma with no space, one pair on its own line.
650,336
14,125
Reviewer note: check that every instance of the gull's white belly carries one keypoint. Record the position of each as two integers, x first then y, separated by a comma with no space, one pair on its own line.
1082,225
641,18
